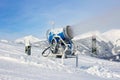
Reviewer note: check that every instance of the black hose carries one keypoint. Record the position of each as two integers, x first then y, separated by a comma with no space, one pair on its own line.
45,51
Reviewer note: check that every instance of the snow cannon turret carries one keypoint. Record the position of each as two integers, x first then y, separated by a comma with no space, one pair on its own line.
60,41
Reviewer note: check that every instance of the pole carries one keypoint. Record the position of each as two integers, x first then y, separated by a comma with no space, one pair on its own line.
63,55
77,60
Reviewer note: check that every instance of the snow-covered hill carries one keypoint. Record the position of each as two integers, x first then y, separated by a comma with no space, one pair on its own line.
41,43
30,37
112,35
4,41
16,65
91,34
84,44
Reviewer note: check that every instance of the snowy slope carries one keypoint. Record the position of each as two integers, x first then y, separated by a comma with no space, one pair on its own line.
16,65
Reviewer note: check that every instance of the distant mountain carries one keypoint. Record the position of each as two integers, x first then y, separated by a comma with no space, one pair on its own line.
112,35
30,37
4,41
41,43
90,34
84,42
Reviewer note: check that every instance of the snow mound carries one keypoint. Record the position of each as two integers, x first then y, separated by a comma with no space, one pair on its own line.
31,38
102,72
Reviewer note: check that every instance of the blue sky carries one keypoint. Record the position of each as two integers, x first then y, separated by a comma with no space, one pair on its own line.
20,18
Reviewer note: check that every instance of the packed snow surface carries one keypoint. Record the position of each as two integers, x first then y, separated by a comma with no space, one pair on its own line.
16,65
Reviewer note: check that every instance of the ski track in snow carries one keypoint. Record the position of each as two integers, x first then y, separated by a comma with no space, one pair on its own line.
16,65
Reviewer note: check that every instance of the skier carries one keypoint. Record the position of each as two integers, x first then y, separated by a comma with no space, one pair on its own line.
27,46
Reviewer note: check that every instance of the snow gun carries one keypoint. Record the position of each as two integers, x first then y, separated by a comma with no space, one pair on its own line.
60,42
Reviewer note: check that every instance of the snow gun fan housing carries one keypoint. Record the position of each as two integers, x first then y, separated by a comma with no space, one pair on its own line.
64,33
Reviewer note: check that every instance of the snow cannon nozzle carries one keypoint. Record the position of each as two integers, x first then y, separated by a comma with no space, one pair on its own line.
68,32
